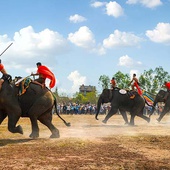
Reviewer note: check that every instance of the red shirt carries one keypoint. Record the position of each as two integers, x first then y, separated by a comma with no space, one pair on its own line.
113,82
1,67
47,74
167,85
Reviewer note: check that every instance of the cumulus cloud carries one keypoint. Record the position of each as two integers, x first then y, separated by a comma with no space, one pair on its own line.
77,18
161,34
146,3
77,80
98,4
114,9
29,47
119,39
28,42
84,38
128,62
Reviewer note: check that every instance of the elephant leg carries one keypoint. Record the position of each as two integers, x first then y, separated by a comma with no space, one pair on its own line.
110,114
124,115
143,116
12,121
35,129
132,118
2,117
165,110
46,119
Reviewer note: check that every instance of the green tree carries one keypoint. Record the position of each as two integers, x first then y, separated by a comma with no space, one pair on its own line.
79,98
56,92
91,97
122,80
152,80
104,81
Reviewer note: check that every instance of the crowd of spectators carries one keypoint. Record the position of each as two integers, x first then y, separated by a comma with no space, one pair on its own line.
74,108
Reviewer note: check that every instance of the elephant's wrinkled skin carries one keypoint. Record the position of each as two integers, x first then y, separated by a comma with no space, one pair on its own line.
160,98
36,103
123,103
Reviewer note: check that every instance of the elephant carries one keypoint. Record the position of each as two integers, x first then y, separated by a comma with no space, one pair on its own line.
160,98
122,102
36,103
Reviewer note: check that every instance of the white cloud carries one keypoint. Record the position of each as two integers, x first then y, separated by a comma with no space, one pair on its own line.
82,38
98,4
77,18
128,62
114,9
161,34
4,39
119,39
30,47
77,80
146,3
29,43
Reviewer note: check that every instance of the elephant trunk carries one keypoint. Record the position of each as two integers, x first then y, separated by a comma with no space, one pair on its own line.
98,107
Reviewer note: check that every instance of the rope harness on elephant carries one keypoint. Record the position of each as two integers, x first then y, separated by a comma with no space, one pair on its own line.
23,85
130,93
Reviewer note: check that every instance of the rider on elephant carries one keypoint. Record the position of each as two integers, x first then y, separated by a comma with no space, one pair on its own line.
44,72
167,86
113,83
135,83
5,75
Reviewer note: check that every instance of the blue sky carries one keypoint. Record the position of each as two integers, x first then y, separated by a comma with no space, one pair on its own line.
80,40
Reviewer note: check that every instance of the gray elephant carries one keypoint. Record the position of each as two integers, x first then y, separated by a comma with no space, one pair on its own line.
37,104
122,102
160,98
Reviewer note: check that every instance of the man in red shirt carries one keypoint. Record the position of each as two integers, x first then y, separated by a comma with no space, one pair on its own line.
135,83
44,73
167,86
5,75
113,83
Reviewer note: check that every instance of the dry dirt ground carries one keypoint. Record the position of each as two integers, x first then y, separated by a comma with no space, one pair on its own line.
88,145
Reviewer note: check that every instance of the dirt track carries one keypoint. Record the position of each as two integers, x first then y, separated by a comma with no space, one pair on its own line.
88,145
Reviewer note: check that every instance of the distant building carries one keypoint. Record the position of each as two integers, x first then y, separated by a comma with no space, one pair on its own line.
86,89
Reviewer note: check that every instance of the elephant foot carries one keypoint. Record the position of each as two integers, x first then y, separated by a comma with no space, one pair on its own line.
148,120
126,123
19,129
104,121
34,135
131,124
55,134
158,119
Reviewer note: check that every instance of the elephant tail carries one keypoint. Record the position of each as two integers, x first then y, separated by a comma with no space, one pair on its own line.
55,104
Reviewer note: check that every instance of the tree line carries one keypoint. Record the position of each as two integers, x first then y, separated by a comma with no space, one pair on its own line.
150,80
